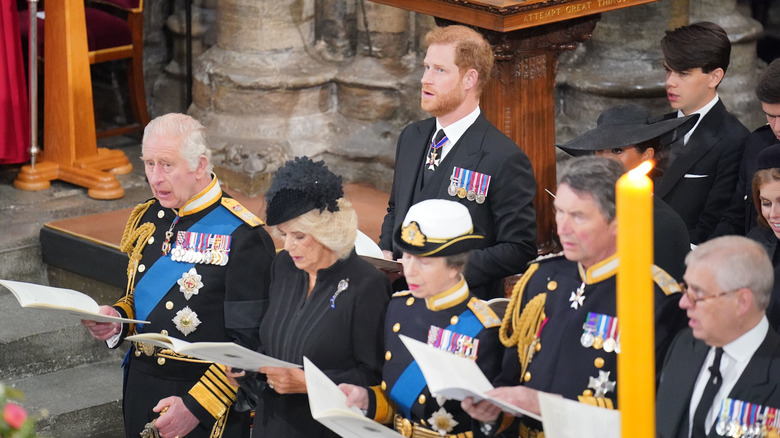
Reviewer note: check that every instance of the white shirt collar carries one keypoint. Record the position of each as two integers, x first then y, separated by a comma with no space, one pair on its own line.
456,130
701,112
742,348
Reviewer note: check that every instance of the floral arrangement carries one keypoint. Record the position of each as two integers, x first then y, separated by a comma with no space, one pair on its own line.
14,423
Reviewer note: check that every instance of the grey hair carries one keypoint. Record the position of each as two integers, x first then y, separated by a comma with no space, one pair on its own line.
191,132
457,261
595,176
737,262
335,230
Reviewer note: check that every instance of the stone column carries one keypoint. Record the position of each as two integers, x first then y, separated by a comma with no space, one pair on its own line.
170,89
621,63
261,92
737,88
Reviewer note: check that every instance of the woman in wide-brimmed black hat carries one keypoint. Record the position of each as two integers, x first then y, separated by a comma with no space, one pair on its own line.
628,134
325,302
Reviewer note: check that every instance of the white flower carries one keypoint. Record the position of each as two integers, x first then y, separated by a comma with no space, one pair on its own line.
441,421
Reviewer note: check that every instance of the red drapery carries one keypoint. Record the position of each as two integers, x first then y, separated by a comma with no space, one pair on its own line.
14,113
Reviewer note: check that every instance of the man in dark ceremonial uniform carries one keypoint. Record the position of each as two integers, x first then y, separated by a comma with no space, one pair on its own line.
198,271
561,324
460,156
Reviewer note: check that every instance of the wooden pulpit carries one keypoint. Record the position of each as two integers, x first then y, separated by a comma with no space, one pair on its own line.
527,38
70,147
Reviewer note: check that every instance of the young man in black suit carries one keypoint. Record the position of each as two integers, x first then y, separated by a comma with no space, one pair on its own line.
728,361
702,174
459,155
741,217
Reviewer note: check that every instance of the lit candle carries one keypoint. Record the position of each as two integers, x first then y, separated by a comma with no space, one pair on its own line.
635,307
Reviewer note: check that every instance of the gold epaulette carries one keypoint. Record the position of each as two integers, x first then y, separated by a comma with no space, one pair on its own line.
241,212
601,402
666,282
402,293
484,313
546,257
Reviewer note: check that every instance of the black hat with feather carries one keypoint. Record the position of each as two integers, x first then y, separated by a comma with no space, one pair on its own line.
301,185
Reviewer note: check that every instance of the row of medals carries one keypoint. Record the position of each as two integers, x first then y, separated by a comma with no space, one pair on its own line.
733,420
598,342
461,193
213,257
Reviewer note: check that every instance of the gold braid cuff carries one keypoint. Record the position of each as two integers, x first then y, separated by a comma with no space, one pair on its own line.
385,409
213,391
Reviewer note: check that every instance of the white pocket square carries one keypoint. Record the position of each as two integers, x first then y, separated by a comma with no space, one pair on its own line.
693,175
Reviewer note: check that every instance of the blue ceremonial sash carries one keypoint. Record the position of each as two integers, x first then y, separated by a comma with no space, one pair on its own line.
164,273
411,382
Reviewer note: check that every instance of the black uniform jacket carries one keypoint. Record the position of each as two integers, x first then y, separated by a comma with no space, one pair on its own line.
507,217
700,182
204,302
465,318
759,383
561,364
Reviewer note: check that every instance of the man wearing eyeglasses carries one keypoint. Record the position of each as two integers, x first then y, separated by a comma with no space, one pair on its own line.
722,374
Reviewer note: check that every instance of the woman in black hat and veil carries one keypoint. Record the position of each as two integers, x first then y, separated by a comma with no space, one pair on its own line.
325,302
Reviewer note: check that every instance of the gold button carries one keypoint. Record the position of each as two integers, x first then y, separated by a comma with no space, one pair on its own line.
396,327
160,214
151,240
388,355
587,393
141,268
169,305
410,301
538,346
421,399
599,362
160,361
454,320
552,285
527,376
137,353
384,385
164,332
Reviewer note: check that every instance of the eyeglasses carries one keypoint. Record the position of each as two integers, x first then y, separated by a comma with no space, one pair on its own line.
695,297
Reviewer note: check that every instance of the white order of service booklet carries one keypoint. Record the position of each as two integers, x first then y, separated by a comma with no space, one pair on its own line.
226,353
36,296
456,377
569,418
328,406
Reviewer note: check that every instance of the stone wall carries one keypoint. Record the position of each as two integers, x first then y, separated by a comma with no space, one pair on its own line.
338,79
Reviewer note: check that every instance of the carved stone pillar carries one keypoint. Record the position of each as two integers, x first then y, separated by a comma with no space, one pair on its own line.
621,63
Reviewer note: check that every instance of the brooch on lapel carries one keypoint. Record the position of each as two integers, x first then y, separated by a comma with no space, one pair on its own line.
343,285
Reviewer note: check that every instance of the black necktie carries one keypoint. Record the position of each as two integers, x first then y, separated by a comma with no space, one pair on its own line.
713,384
